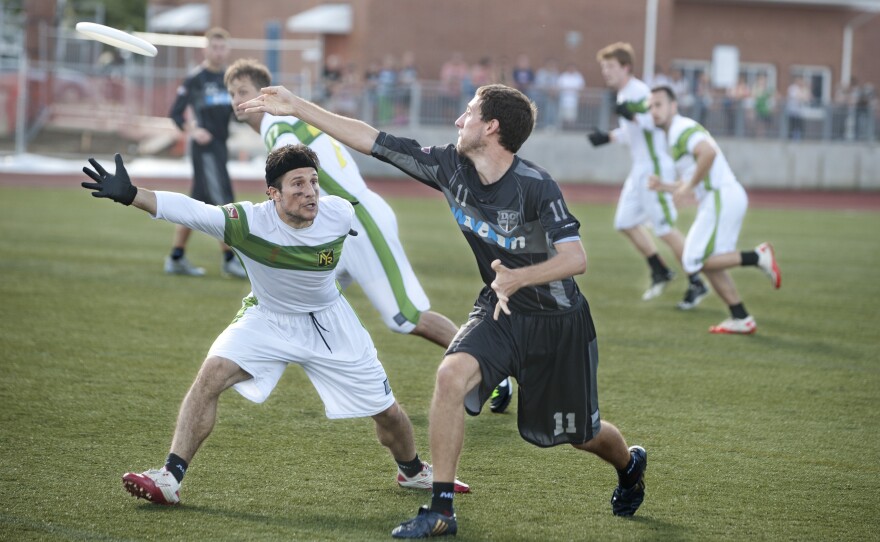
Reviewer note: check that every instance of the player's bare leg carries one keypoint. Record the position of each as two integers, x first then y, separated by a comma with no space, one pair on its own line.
436,328
198,412
458,374
608,445
723,284
181,236
696,290
641,239
660,274
395,432
675,241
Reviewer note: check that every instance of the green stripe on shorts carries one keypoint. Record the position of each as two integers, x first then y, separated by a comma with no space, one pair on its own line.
710,247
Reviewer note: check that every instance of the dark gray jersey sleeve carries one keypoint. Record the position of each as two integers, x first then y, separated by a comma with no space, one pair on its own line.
554,215
432,166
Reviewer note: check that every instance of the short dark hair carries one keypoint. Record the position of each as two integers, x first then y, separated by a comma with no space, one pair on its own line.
251,68
667,90
217,32
288,158
514,112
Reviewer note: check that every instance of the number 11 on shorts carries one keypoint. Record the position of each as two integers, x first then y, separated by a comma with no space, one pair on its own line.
569,427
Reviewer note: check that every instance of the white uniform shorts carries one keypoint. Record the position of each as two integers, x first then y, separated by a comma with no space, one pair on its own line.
345,371
375,259
640,205
716,227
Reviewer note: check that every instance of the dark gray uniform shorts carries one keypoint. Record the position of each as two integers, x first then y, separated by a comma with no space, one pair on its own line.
553,358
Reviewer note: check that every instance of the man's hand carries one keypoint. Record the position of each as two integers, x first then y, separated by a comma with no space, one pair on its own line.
624,111
276,101
682,191
598,137
201,136
504,286
117,187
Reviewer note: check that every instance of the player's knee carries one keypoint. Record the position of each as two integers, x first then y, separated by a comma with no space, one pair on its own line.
217,374
458,373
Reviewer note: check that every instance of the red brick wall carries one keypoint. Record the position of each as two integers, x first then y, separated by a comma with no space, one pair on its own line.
687,29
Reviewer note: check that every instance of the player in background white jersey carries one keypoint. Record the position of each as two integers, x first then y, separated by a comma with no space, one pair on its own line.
295,314
638,205
702,170
375,259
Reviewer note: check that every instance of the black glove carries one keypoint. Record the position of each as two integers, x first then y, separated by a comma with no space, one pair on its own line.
116,187
624,111
598,137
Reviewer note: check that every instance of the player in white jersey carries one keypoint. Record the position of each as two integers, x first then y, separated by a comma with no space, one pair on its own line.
710,246
296,314
374,259
638,205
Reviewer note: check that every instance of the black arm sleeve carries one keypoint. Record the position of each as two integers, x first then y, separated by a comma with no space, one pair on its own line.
179,105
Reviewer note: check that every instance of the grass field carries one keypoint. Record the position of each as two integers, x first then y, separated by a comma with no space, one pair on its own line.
769,437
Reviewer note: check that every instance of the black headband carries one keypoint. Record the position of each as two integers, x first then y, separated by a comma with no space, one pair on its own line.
281,167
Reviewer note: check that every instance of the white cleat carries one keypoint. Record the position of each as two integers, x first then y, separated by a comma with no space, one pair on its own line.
156,486
233,268
425,480
182,267
767,263
736,326
658,285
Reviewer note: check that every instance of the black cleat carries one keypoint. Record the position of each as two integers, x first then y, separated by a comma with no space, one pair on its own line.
426,524
625,501
501,397
692,297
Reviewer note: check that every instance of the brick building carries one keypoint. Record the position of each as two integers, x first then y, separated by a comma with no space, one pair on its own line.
827,41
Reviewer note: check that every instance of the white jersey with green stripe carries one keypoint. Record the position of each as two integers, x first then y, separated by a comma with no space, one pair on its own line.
684,135
291,270
647,143
338,174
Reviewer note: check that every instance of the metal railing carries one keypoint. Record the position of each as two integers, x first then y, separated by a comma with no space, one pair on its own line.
79,85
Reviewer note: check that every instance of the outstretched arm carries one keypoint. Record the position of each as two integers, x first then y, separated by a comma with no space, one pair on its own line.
277,100
118,187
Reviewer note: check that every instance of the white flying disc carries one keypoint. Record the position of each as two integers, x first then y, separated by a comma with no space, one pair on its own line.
117,38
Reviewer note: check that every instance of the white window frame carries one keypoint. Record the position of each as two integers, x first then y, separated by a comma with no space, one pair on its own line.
808,72
752,69
690,65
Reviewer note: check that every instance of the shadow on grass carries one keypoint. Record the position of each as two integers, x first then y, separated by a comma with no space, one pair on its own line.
662,530
327,524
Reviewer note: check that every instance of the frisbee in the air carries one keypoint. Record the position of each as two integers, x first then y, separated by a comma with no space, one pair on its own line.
117,38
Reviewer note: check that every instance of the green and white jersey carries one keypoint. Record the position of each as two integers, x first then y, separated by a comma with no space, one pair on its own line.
647,143
338,174
291,270
684,135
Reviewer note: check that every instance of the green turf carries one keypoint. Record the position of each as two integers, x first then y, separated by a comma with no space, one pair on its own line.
770,437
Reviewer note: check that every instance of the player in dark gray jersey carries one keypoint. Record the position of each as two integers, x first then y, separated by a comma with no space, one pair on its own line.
517,221
530,320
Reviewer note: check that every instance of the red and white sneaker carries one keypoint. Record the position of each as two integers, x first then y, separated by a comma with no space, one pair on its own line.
767,263
425,479
157,486
736,326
